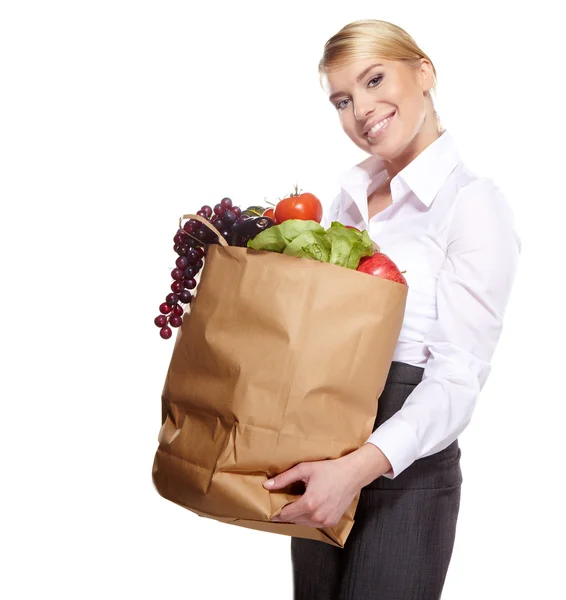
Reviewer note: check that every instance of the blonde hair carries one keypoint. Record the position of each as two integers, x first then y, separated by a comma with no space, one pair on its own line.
372,38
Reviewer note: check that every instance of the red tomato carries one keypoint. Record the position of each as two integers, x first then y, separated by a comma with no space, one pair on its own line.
269,214
303,206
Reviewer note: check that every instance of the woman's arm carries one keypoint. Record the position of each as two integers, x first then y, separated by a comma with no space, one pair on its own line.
473,290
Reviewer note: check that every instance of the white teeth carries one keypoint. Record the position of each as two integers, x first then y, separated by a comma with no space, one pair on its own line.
380,125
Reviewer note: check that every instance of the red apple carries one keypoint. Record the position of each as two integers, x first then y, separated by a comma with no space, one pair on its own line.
380,265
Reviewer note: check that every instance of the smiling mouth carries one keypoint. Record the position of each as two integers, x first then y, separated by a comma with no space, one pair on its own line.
379,125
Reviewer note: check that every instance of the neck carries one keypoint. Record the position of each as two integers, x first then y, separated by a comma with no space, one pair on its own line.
430,132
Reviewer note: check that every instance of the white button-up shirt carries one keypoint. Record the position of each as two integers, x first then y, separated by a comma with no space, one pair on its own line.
454,235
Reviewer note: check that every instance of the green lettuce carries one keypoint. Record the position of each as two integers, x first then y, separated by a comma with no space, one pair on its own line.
338,245
310,244
348,246
278,237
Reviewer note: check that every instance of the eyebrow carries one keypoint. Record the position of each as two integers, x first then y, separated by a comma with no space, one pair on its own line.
335,95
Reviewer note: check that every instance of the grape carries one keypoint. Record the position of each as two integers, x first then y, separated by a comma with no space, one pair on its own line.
225,233
237,211
165,333
185,296
177,274
164,308
175,321
161,320
190,272
192,257
202,234
229,217
189,244
242,219
219,210
226,203
182,262
172,299
177,286
211,237
219,224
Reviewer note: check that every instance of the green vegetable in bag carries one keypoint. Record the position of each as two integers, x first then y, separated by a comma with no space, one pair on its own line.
310,244
338,245
348,245
277,238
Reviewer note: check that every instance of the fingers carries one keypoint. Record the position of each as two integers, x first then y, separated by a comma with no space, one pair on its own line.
297,473
296,511
309,512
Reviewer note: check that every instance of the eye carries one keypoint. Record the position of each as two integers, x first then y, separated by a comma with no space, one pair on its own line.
377,79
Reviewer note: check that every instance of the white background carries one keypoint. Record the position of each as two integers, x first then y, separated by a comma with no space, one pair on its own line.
116,118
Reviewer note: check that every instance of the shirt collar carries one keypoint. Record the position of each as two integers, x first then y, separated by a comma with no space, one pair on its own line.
424,176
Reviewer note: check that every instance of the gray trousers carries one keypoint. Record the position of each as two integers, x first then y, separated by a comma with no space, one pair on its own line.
403,535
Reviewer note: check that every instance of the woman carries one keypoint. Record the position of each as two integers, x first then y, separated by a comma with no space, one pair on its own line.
453,234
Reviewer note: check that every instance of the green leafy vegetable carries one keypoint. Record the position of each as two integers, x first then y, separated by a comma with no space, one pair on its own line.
277,238
338,245
310,244
348,245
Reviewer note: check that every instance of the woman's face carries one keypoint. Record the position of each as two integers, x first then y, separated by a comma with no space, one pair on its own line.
384,108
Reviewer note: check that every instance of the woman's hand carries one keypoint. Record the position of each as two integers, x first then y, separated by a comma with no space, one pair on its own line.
331,485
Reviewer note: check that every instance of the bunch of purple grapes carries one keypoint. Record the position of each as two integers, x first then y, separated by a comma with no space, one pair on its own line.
189,245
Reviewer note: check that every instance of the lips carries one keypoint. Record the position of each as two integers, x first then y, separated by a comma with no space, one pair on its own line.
377,120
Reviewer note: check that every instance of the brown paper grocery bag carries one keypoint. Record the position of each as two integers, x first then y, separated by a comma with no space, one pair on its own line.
279,360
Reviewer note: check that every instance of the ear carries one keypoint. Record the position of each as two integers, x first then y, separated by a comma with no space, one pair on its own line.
426,76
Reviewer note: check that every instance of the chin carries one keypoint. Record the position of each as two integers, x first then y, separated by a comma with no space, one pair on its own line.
385,151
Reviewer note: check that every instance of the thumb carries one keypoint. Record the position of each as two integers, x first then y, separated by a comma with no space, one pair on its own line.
297,473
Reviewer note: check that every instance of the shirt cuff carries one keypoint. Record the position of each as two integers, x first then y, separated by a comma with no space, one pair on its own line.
398,442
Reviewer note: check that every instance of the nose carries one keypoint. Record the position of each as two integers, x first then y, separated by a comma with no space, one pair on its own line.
363,107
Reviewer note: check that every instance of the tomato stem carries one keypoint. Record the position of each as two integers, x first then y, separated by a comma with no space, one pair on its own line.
296,191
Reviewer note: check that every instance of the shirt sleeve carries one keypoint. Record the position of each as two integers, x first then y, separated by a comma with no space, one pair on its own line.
473,290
